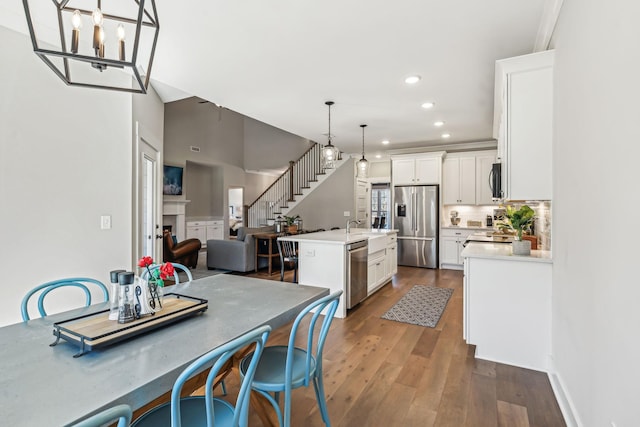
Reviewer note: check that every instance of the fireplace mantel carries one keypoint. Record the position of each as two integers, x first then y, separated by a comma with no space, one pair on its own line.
173,212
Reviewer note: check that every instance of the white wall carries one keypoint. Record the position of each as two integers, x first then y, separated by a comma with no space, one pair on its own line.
596,290
65,160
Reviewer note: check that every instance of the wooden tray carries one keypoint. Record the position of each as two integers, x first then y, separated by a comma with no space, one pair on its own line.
96,330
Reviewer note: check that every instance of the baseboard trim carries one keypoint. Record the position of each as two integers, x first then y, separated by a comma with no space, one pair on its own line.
564,400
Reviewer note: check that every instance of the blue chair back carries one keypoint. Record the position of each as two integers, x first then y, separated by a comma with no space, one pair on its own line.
122,413
221,355
238,416
176,266
328,305
78,282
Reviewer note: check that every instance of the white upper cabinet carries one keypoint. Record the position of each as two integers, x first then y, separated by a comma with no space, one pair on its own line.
465,178
459,180
416,169
523,124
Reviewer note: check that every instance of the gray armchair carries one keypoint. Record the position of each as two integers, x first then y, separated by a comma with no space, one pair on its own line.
238,254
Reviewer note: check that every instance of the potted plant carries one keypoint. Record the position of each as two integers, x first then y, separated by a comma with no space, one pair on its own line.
520,221
292,226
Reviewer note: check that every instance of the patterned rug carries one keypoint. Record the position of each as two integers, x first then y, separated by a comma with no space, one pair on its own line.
422,305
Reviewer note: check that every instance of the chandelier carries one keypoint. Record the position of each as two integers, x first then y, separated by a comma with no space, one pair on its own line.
363,165
329,152
103,48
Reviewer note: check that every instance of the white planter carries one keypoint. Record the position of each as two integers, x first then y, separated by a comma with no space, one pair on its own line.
521,247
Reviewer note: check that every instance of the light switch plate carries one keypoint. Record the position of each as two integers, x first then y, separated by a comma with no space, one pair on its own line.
105,222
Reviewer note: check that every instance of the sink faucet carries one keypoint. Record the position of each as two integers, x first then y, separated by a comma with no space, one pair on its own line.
349,221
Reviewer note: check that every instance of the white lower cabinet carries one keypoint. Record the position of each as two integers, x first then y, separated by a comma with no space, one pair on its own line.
507,310
451,246
205,230
376,270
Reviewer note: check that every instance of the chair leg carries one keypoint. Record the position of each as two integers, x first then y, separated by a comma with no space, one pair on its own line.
281,271
223,386
322,403
295,272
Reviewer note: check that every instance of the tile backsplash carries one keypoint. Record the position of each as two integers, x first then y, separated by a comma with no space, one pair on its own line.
466,213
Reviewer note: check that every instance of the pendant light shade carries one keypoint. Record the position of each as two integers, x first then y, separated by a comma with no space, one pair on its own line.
91,43
329,152
363,164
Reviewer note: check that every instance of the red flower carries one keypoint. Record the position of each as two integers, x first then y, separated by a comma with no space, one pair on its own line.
145,261
166,270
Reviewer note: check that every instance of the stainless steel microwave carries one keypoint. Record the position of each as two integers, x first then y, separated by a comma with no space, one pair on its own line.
495,181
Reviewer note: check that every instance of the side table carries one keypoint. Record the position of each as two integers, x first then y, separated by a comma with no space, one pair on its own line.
270,238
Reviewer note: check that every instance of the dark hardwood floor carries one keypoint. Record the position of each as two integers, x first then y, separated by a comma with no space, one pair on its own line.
383,373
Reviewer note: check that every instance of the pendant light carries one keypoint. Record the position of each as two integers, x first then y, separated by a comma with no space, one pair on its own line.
363,164
329,152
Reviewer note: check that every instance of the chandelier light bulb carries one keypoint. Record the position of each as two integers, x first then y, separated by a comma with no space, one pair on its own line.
97,17
76,20
121,32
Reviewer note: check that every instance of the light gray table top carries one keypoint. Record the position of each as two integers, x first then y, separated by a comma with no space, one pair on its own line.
42,385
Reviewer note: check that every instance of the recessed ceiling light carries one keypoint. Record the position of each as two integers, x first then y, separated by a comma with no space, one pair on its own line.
378,156
411,80
438,123
446,135
385,142
428,105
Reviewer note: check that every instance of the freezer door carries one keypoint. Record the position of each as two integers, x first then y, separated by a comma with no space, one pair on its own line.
426,211
403,210
417,252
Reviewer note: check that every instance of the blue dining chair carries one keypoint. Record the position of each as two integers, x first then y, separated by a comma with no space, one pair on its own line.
176,267
284,368
78,282
207,410
122,413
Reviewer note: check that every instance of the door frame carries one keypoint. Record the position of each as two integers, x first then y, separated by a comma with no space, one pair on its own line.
142,136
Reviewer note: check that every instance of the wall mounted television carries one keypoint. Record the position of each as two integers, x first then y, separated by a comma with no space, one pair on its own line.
172,180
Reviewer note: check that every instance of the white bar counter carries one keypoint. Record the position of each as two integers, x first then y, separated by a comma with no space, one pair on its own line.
322,257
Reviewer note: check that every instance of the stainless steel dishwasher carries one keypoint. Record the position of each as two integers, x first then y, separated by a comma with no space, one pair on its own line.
356,272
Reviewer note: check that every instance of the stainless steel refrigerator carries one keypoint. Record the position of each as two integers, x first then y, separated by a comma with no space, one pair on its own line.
415,217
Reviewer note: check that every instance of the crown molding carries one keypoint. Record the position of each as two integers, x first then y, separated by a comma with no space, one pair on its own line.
548,22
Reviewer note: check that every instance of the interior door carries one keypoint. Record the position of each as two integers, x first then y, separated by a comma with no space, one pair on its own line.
148,197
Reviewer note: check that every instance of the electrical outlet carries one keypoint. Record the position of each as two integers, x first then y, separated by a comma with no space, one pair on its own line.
310,253
105,222
347,213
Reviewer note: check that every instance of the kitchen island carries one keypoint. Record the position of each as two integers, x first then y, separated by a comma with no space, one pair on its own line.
507,304
323,260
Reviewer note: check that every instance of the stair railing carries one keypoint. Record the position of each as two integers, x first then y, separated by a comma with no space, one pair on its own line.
283,190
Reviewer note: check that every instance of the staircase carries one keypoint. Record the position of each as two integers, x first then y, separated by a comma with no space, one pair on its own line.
300,179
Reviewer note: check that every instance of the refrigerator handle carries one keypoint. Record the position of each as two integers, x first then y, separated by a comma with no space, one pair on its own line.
414,214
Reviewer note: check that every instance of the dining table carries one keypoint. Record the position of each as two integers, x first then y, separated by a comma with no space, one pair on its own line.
45,385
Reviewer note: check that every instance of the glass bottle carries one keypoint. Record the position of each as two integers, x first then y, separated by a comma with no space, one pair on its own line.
126,297
114,294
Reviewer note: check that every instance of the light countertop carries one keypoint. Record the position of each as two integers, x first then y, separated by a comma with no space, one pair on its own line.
504,252
339,237
460,227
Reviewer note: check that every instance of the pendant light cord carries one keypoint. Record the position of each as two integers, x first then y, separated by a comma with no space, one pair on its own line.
363,126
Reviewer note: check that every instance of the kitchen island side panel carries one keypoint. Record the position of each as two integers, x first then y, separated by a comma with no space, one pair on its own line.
508,313
324,265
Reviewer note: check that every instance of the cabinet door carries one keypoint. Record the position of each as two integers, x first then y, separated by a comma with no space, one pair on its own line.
451,181
449,253
468,180
403,171
483,188
428,170
392,257
529,115
215,232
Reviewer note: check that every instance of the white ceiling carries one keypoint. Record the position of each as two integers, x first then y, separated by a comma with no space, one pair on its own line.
278,61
